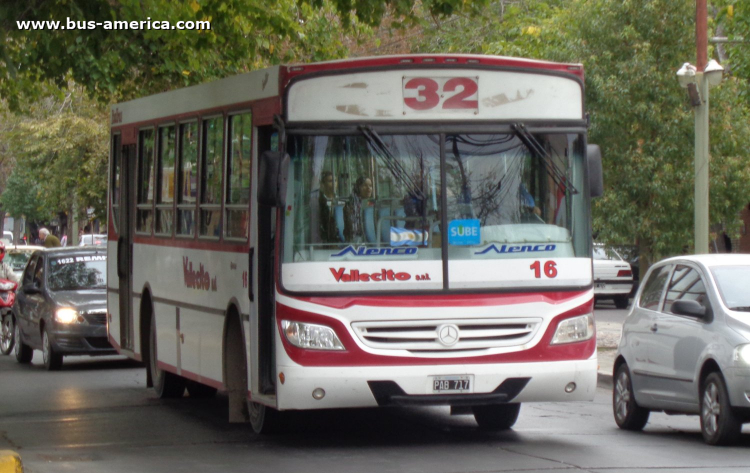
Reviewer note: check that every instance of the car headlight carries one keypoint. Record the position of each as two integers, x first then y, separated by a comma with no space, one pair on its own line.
311,336
574,329
66,315
742,354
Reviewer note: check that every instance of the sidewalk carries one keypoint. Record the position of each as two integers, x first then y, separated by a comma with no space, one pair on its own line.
607,337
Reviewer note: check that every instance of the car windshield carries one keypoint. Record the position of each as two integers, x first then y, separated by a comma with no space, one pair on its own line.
732,284
68,273
17,260
604,253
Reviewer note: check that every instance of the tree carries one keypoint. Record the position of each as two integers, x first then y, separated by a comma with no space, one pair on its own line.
631,50
117,64
60,153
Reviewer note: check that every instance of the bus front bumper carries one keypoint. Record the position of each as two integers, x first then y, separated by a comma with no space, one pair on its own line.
371,386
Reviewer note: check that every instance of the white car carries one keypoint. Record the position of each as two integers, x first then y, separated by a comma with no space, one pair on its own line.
96,239
613,277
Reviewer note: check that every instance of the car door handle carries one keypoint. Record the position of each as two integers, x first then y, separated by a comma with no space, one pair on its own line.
654,328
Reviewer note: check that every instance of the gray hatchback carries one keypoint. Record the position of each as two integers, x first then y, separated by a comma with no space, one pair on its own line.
685,346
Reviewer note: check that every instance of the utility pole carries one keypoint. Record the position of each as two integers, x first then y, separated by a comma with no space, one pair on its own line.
701,130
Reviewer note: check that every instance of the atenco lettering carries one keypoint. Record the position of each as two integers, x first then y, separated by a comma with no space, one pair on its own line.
355,276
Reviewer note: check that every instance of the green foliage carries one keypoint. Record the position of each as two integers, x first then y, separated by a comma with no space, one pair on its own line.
640,116
116,65
60,152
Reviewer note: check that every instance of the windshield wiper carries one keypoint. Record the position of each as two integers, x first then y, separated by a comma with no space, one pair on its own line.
390,161
552,169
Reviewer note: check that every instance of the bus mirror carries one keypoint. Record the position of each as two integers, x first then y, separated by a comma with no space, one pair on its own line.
594,160
273,171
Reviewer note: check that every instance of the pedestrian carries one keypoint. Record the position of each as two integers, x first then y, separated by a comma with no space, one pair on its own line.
48,240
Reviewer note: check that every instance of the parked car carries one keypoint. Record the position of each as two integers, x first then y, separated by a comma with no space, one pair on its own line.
18,256
613,277
685,346
7,237
61,306
97,239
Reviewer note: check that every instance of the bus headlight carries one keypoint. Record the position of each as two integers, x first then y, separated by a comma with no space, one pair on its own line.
66,315
574,329
311,336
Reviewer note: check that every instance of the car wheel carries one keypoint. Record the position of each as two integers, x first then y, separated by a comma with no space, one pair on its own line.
496,416
263,419
719,425
52,360
6,342
621,302
166,385
628,414
23,352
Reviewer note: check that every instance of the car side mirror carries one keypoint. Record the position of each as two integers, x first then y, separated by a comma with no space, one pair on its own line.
689,308
273,172
32,288
596,179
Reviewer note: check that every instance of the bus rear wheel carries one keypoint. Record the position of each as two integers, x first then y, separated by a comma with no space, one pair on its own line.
496,416
166,385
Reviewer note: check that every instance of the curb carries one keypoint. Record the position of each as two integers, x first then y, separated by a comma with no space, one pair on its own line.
10,462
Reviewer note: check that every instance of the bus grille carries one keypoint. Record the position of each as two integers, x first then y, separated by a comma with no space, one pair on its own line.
425,335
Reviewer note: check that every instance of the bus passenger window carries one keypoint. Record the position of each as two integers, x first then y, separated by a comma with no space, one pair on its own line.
165,180
238,176
187,179
145,211
213,134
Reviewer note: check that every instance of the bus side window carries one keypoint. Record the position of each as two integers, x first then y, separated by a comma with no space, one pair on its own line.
210,175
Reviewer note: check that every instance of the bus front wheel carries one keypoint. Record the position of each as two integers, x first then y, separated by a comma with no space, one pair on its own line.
263,419
496,416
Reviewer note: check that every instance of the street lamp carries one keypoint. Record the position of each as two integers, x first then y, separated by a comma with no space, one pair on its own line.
697,83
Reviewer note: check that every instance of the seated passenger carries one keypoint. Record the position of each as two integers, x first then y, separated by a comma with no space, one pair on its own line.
326,202
354,230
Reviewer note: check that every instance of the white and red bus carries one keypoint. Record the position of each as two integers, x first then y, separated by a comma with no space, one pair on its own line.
366,232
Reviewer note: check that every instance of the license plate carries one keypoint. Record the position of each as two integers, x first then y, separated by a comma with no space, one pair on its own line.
452,384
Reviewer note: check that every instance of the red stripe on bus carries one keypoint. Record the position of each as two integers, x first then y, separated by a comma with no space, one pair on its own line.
355,356
441,300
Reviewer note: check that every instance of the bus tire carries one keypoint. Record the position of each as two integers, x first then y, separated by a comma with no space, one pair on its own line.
263,419
496,416
200,391
166,385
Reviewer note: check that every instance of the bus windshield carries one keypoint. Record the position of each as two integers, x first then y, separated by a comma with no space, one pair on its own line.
388,197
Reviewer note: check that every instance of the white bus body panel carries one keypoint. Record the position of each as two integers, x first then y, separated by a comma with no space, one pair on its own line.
201,284
380,96
347,386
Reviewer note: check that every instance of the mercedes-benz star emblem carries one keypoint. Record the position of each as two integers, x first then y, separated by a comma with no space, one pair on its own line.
448,335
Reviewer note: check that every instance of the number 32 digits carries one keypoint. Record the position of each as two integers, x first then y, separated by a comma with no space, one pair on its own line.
428,93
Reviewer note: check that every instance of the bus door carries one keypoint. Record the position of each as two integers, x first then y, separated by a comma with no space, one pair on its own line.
125,245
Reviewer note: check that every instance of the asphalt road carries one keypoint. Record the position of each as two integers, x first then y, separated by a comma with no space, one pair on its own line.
96,415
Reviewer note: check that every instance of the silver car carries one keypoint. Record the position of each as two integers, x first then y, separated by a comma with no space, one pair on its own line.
685,346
